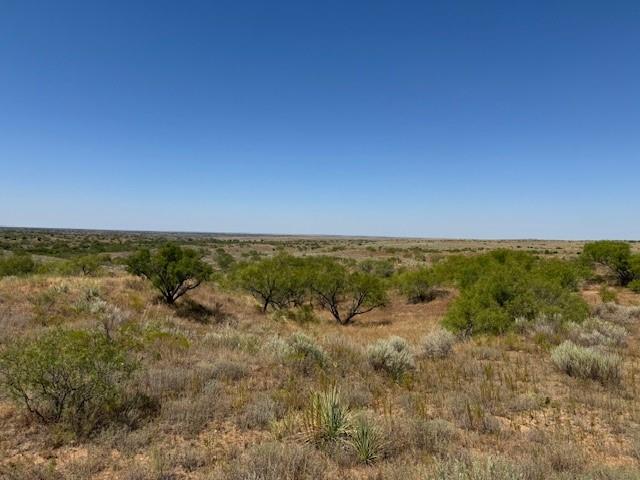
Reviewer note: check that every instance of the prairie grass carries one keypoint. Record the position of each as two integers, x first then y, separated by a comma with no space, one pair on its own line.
242,395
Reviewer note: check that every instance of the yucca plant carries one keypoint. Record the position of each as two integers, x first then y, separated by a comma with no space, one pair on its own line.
327,419
367,440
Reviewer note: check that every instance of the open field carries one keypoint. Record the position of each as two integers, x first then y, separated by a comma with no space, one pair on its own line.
232,388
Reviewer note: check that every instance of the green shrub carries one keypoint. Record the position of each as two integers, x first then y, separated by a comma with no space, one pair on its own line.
379,268
172,270
393,356
87,264
587,363
634,264
71,377
16,265
634,286
500,287
417,285
152,338
223,259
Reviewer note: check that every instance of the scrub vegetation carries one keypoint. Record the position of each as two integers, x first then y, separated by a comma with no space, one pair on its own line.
192,356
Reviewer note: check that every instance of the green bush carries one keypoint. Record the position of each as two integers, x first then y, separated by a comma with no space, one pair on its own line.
223,259
16,265
587,363
499,287
74,378
634,263
635,286
379,268
173,270
417,285
88,264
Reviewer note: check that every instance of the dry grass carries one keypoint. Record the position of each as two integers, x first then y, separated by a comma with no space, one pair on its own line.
234,385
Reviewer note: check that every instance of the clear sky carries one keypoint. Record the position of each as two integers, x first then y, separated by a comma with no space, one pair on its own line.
444,119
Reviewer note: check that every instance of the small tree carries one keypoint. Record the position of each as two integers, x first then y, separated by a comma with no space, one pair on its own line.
612,254
173,270
277,282
345,294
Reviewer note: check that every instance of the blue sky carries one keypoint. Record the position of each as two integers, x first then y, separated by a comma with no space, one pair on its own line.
440,119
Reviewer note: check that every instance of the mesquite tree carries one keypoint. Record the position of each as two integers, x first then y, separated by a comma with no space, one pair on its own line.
277,282
343,293
173,270
614,255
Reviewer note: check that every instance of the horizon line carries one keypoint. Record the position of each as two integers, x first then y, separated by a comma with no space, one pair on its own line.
293,235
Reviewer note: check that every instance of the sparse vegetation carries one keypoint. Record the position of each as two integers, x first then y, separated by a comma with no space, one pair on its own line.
542,384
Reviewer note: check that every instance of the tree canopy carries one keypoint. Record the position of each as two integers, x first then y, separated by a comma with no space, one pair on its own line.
613,254
171,269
